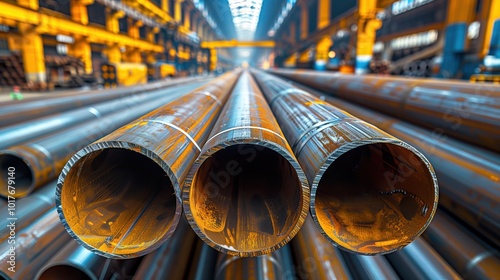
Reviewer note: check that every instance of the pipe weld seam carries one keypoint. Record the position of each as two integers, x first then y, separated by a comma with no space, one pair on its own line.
477,259
95,112
177,128
250,127
316,125
209,94
285,92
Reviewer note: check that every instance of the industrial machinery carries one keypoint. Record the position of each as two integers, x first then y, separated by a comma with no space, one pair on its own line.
161,70
123,74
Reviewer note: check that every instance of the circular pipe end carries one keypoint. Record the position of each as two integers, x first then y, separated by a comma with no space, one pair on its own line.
117,199
374,196
246,199
15,166
61,271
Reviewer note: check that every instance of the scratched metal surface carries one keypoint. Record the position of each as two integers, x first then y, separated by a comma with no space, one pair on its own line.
354,167
120,196
464,110
262,201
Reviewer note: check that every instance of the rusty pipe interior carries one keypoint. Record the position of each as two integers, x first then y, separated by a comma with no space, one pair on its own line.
130,205
24,176
245,198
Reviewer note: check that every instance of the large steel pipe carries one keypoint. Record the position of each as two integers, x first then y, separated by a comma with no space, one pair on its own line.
42,159
120,196
315,257
277,265
371,193
246,194
420,261
34,246
172,259
203,263
19,111
22,132
76,262
464,110
28,209
370,267
468,176
468,255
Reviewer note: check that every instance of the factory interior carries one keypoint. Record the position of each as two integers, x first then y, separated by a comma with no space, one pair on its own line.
249,139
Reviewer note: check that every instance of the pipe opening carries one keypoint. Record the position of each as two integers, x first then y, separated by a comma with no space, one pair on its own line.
58,272
246,199
119,202
22,174
375,198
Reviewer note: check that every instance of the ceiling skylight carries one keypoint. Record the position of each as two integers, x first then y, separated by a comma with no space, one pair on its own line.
245,16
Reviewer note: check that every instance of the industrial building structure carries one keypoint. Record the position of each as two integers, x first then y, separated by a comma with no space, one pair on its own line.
249,139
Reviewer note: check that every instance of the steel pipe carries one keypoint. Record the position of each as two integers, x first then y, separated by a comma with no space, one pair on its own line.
42,159
34,246
315,257
464,110
468,176
23,132
119,197
274,266
76,262
246,194
28,209
370,267
371,193
469,256
20,111
420,261
203,263
172,259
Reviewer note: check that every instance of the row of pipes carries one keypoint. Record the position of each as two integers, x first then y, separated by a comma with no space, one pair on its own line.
246,157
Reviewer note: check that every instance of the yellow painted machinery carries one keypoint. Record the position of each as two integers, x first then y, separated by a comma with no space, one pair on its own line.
161,70
123,74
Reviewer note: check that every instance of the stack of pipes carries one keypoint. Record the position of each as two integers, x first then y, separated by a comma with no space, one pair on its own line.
278,181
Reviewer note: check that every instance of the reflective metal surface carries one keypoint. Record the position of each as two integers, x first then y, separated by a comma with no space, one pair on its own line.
469,178
420,261
315,257
371,193
471,258
75,262
461,109
35,244
370,267
203,264
42,159
172,259
246,194
19,111
120,196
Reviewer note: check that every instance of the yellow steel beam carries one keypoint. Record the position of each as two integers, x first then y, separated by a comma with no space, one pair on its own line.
81,49
32,53
367,26
187,17
79,11
113,53
178,10
147,7
323,13
31,4
236,43
461,11
304,20
112,23
46,24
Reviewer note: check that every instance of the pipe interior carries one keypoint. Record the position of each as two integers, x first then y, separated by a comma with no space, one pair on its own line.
118,201
375,198
59,272
23,176
246,198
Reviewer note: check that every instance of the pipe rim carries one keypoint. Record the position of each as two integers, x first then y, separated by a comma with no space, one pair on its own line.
348,147
70,264
305,190
18,156
97,146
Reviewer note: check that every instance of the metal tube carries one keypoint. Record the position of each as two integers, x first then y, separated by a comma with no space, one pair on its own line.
274,266
119,197
315,257
370,267
23,132
29,209
42,159
172,259
471,258
76,262
246,194
34,245
371,193
468,175
420,261
203,264
19,111
467,111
